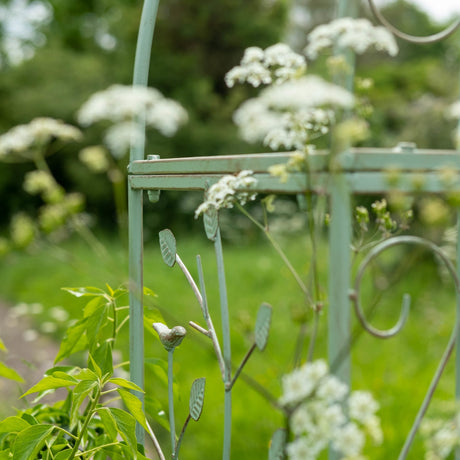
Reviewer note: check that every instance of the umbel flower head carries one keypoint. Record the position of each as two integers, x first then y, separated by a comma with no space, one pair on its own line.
359,35
228,190
22,141
319,402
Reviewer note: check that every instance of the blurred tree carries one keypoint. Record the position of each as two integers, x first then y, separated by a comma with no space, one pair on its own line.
91,45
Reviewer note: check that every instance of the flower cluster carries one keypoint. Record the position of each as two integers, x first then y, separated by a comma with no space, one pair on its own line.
120,103
23,140
288,114
442,436
21,23
275,64
319,402
228,190
358,35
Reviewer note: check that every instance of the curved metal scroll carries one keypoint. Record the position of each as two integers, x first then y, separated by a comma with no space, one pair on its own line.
413,38
403,317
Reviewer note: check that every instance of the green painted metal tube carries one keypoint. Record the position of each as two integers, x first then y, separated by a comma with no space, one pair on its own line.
227,352
135,199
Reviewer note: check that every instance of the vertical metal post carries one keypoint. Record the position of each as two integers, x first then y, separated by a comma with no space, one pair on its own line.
339,283
339,278
135,200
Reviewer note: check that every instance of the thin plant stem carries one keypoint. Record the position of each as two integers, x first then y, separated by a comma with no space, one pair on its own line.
181,436
89,414
241,366
280,252
314,335
155,442
172,425
208,319
190,280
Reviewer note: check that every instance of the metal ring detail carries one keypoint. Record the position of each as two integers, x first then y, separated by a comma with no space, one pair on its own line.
413,38
375,252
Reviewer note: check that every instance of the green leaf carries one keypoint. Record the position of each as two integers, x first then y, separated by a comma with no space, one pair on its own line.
104,358
49,383
197,398
94,366
9,373
134,405
13,425
93,305
277,445
2,345
64,455
73,341
96,321
64,376
168,247
86,374
109,422
152,316
211,223
79,393
85,291
30,441
125,384
149,293
264,318
126,425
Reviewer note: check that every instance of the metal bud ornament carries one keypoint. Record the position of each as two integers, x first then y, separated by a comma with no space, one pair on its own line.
170,338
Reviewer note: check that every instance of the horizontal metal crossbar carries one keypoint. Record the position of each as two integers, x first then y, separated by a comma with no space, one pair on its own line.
365,159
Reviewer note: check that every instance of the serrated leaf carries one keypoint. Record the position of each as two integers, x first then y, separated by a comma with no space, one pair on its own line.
49,383
126,425
30,441
264,318
197,398
168,247
277,445
13,425
9,373
125,384
85,291
211,223
134,405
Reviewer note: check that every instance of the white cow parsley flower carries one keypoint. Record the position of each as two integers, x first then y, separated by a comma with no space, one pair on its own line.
358,35
454,110
291,114
228,190
22,140
318,401
276,64
120,103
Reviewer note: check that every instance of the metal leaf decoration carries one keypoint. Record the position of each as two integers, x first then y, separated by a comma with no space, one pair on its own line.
197,398
168,247
264,318
277,445
211,223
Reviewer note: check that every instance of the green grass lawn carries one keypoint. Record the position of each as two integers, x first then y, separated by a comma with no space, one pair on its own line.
397,370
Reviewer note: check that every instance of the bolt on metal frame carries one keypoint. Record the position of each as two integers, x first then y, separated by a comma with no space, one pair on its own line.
357,171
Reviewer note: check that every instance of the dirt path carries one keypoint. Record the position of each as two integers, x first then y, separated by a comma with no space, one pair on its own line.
29,353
